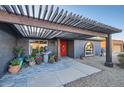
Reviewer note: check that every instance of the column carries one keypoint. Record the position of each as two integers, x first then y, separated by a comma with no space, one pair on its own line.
58,44
108,51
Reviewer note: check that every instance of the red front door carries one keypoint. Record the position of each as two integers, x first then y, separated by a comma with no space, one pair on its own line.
63,48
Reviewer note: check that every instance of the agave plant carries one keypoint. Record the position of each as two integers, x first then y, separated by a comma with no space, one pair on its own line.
14,66
15,62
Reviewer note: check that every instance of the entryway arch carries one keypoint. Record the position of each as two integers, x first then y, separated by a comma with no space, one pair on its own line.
89,49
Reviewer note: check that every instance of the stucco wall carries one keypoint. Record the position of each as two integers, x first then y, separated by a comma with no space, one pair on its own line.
97,47
24,43
79,47
70,48
7,45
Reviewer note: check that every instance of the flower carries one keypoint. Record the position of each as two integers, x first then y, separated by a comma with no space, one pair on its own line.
39,59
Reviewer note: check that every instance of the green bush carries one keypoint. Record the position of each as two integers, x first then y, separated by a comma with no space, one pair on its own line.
51,59
121,58
120,55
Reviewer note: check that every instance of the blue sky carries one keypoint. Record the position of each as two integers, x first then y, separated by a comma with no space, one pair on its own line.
110,15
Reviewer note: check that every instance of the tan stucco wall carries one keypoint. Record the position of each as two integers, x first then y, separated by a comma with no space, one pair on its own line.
116,44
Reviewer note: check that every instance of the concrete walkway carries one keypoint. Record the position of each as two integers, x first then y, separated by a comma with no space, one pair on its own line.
49,75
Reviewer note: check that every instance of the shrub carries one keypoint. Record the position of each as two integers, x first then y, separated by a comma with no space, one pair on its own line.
51,59
121,58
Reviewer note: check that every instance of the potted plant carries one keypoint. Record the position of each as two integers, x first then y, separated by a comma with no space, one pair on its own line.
14,67
55,57
32,61
39,60
51,59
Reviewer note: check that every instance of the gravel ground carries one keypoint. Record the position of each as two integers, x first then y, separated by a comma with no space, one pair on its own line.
108,77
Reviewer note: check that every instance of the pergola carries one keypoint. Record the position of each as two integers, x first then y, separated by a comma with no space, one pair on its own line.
49,22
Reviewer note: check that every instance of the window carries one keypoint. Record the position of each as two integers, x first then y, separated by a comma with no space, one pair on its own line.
89,50
37,45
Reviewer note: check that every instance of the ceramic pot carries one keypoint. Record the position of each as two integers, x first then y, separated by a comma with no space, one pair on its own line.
14,69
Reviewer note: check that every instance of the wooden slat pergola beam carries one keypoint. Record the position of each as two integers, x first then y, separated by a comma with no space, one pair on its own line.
16,19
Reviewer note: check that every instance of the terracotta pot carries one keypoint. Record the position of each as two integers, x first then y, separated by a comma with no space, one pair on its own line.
14,69
32,63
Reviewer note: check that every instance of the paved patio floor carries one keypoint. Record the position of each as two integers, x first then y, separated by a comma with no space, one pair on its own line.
49,75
